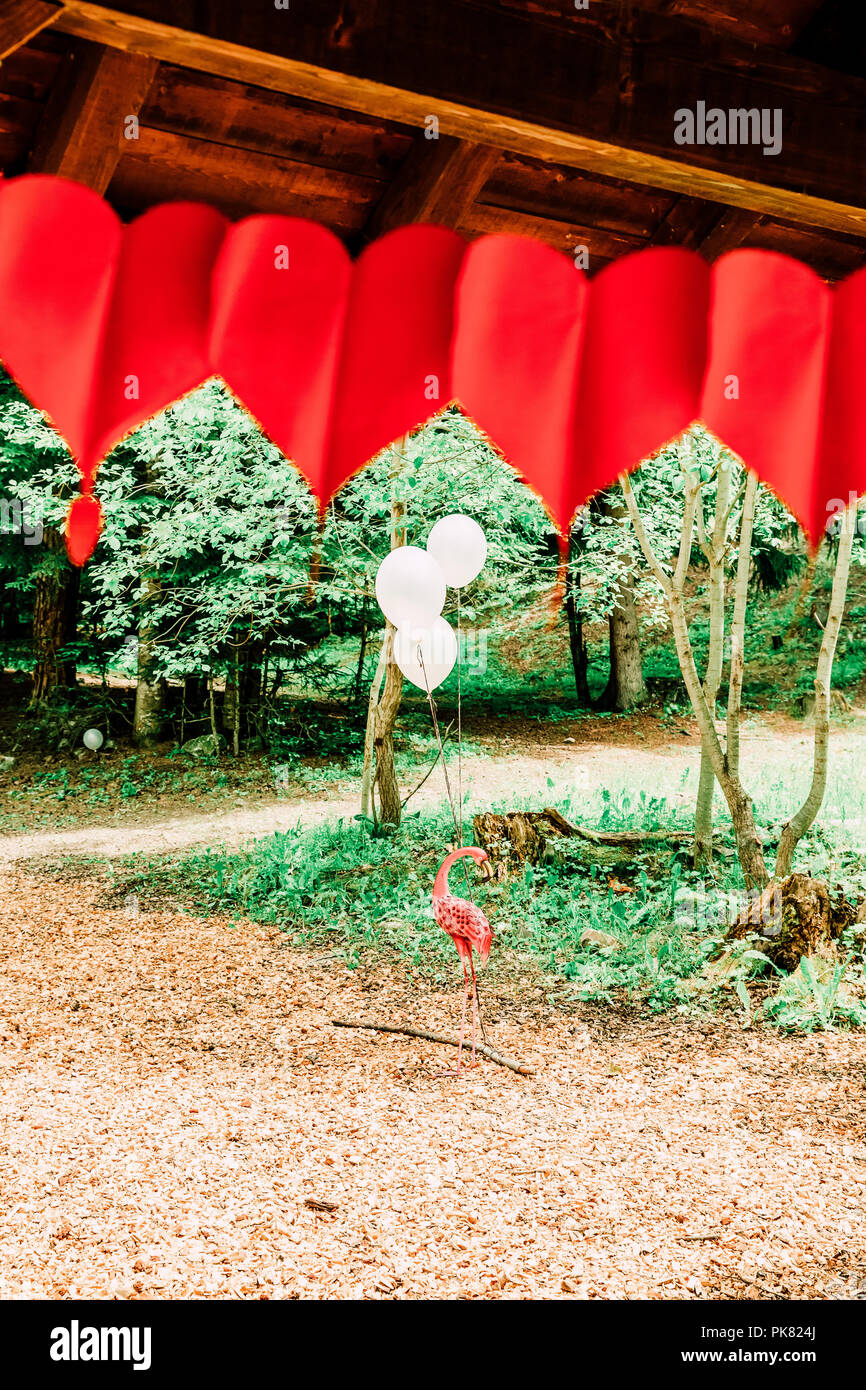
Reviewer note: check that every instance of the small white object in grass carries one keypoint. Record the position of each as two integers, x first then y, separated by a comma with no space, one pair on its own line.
93,739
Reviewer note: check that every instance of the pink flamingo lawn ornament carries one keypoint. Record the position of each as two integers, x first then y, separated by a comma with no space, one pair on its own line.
469,929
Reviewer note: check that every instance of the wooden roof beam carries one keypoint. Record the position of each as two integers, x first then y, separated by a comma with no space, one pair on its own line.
730,231
587,94
705,227
757,21
438,182
21,21
86,120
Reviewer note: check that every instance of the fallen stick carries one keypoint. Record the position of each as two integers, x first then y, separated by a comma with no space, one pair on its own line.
484,1048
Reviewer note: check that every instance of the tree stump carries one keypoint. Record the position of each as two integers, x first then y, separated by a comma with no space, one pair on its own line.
794,918
517,838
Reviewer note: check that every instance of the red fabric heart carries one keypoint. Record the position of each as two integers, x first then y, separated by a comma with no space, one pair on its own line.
104,326
83,526
394,370
154,344
279,302
642,363
841,472
58,247
519,315
763,389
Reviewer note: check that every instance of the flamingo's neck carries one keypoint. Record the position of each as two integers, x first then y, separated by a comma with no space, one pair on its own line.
440,887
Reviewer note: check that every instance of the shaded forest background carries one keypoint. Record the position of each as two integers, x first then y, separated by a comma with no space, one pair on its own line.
215,603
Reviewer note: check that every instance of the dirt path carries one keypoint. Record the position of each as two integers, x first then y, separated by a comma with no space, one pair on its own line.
511,779
488,778
172,1095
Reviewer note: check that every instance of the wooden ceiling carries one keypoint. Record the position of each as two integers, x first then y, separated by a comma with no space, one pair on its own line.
554,123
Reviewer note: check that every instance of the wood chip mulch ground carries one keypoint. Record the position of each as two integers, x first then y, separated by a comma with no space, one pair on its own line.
179,1119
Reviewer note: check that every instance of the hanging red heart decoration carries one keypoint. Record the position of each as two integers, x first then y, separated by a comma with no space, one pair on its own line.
103,326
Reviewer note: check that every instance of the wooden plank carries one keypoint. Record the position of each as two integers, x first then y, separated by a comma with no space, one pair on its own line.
734,227
602,245
772,22
13,151
160,166
701,225
30,72
83,131
833,38
440,179
560,194
18,116
22,20
688,222
254,118
830,257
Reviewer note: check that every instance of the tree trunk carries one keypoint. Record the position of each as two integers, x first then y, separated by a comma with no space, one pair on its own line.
362,656
383,708
55,613
387,709
253,669
370,731
193,701
625,686
150,691
514,839
749,847
576,643
725,764
796,827
150,688
714,548
231,714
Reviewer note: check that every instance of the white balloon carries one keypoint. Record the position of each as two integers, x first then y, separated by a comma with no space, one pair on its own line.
410,587
459,546
436,645
93,739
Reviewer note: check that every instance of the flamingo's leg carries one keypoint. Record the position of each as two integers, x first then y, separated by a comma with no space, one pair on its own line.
480,1014
475,1009
463,1018
466,988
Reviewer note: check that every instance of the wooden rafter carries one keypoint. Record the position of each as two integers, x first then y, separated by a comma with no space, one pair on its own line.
86,121
732,229
772,22
602,245
239,181
438,182
21,21
699,225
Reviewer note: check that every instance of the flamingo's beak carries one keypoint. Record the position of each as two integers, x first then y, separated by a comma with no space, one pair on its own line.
487,868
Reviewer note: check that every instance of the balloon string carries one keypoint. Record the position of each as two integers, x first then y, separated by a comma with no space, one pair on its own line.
459,725
432,703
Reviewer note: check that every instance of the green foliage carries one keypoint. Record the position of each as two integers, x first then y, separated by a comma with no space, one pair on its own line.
210,536
815,997
343,886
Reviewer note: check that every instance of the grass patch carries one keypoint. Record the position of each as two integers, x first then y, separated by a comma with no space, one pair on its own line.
645,933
